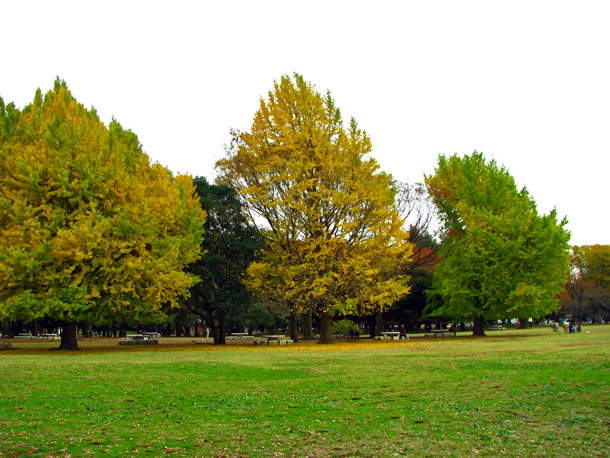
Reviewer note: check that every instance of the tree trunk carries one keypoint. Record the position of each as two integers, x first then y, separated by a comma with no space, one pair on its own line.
68,337
213,331
326,332
17,327
379,323
479,326
307,334
222,332
371,320
294,336
523,323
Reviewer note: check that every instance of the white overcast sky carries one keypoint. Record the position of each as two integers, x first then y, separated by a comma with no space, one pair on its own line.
526,82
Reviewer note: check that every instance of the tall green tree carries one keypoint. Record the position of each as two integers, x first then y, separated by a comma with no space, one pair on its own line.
221,297
90,230
500,258
334,237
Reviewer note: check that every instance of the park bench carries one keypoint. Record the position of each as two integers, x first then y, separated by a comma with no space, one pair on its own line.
391,335
277,340
440,333
49,337
240,336
496,328
138,339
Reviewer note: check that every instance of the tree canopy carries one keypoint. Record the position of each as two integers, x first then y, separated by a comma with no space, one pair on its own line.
221,297
500,258
335,239
587,291
89,229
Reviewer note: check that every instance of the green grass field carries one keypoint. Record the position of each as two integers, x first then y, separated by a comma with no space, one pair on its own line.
514,393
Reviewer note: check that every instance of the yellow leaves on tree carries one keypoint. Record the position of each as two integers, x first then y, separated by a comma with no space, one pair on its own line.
89,229
335,240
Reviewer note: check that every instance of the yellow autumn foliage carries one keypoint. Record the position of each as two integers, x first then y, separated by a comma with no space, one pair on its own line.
336,243
90,230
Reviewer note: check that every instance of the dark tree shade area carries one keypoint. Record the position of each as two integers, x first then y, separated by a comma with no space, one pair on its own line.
230,245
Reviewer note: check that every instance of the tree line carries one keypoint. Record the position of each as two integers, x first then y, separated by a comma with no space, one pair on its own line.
300,222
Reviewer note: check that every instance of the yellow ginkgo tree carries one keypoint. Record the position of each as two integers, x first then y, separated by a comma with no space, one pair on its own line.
336,243
90,230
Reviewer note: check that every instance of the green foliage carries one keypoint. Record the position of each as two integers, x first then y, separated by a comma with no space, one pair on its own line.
500,259
220,297
343,326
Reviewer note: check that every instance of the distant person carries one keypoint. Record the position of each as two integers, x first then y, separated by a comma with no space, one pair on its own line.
351,333
403,334
571,328
357,334
579,326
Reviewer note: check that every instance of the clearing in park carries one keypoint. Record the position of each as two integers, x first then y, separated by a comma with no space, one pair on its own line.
514,393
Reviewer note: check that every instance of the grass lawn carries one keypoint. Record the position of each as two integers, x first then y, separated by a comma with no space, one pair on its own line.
514,393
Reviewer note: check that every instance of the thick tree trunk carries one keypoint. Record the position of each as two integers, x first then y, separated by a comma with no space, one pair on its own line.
372,320
479,326
213,331
294,336
326,332
307,334
379,323
17,327
68,337
222,332
524,323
